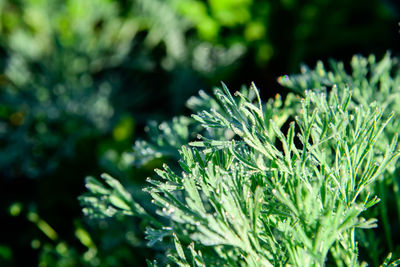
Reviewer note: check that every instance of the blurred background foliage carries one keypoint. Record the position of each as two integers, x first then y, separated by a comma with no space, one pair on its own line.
80,79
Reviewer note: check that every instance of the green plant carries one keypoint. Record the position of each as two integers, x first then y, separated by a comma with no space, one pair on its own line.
76,79
250,194
372,81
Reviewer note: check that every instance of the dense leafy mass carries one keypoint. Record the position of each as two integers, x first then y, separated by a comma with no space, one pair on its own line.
79,80
372,81
256,196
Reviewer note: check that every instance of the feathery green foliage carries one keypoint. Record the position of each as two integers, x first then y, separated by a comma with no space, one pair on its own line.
372,81
77,77
261,196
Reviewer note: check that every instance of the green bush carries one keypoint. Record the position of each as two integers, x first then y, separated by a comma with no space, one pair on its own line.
274,184
79,79
371,81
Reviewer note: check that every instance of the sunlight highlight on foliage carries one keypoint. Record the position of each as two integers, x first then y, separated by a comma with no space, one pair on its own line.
264,197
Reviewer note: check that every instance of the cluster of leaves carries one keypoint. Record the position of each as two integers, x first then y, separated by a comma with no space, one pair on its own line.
73,73
372,81
250,194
